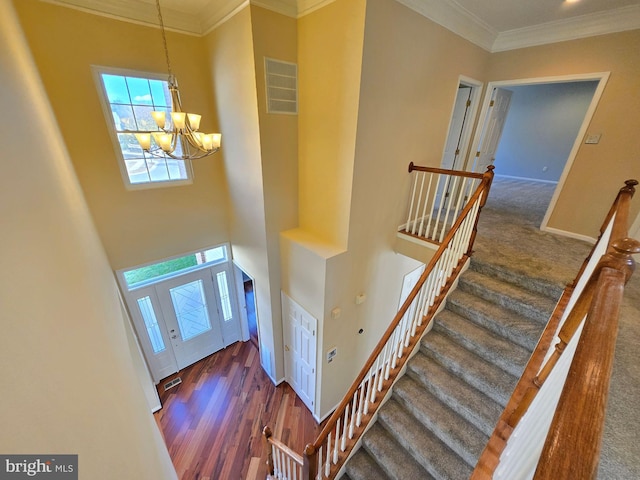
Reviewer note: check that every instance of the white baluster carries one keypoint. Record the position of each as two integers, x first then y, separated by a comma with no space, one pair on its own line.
354,406
415,220
336,441
424,206
327,465
363,394
431,209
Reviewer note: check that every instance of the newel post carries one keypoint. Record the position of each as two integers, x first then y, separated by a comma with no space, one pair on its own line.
487,180
266,435
310,463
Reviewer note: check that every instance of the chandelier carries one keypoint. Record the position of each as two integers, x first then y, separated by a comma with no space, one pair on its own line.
178,136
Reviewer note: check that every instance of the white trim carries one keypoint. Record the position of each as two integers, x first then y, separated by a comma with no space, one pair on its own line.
97,71
136,12
288,8
305,7
564,233
454,17
423,243
213,23
600,77
634,231
600,23
538,180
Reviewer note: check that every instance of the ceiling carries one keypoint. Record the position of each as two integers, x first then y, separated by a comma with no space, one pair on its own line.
494,25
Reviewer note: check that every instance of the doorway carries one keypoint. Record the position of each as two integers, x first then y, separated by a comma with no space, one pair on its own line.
183,309
245,289
541,125
465,107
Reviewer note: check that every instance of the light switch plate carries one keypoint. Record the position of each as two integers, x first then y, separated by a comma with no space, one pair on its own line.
593,139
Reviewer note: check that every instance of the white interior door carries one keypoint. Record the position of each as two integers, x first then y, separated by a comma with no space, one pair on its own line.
492,129
452,147
300,350
191,315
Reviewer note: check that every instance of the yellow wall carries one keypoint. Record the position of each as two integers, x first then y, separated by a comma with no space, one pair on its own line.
329,58
135,226
231,57
598,170
69,384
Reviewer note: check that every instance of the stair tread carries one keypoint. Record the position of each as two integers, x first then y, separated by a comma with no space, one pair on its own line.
484,376
362,467
492,348
470,403
521,270
396,462
455,431
505,322
525,302
425,447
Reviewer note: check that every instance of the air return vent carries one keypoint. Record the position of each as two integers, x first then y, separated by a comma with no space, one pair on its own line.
282,86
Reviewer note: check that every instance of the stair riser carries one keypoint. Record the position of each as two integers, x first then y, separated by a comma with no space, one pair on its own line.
527,339
474,346
524,309
486,426
532,284
457,370
444,425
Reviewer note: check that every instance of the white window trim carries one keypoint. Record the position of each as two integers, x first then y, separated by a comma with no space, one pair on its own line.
97,71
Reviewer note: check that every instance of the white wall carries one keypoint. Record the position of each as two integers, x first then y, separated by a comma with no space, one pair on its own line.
69,384
541,128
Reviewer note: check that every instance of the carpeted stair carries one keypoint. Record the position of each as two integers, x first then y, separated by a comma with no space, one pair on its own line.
443,410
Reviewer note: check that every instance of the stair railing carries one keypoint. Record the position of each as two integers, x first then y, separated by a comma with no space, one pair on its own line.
556,412
323,458
437,197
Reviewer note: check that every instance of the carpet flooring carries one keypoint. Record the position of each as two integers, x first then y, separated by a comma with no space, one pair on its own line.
443,410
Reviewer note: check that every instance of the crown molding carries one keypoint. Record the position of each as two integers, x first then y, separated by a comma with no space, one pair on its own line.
135,11
612,21
306,7
456,18
284,7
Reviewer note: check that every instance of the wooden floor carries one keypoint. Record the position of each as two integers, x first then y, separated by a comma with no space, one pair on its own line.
212,422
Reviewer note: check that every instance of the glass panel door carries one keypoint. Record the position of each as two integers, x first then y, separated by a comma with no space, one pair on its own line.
191,314
149,323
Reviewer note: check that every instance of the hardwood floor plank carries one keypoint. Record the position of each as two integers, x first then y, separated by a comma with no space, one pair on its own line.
212,422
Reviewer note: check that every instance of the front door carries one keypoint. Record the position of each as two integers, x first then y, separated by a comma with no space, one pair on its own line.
185,318
191,314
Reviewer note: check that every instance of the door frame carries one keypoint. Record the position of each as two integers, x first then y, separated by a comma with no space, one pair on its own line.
467,127
602,79
238,270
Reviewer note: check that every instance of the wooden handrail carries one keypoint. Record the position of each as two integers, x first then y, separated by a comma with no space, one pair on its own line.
598,301
457,173
479,195
574,439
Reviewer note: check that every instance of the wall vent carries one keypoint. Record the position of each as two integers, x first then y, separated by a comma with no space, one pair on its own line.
282,86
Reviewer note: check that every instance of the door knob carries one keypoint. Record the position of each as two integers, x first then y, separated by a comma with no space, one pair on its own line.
286,348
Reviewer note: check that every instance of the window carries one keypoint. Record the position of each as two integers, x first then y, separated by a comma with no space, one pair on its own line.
146,275
128,99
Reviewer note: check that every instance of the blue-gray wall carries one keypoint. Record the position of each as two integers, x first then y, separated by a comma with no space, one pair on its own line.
541,128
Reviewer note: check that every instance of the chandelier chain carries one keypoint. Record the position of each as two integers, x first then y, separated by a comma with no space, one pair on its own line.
164,39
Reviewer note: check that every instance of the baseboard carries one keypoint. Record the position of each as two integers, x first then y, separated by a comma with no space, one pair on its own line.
537,180
564,233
